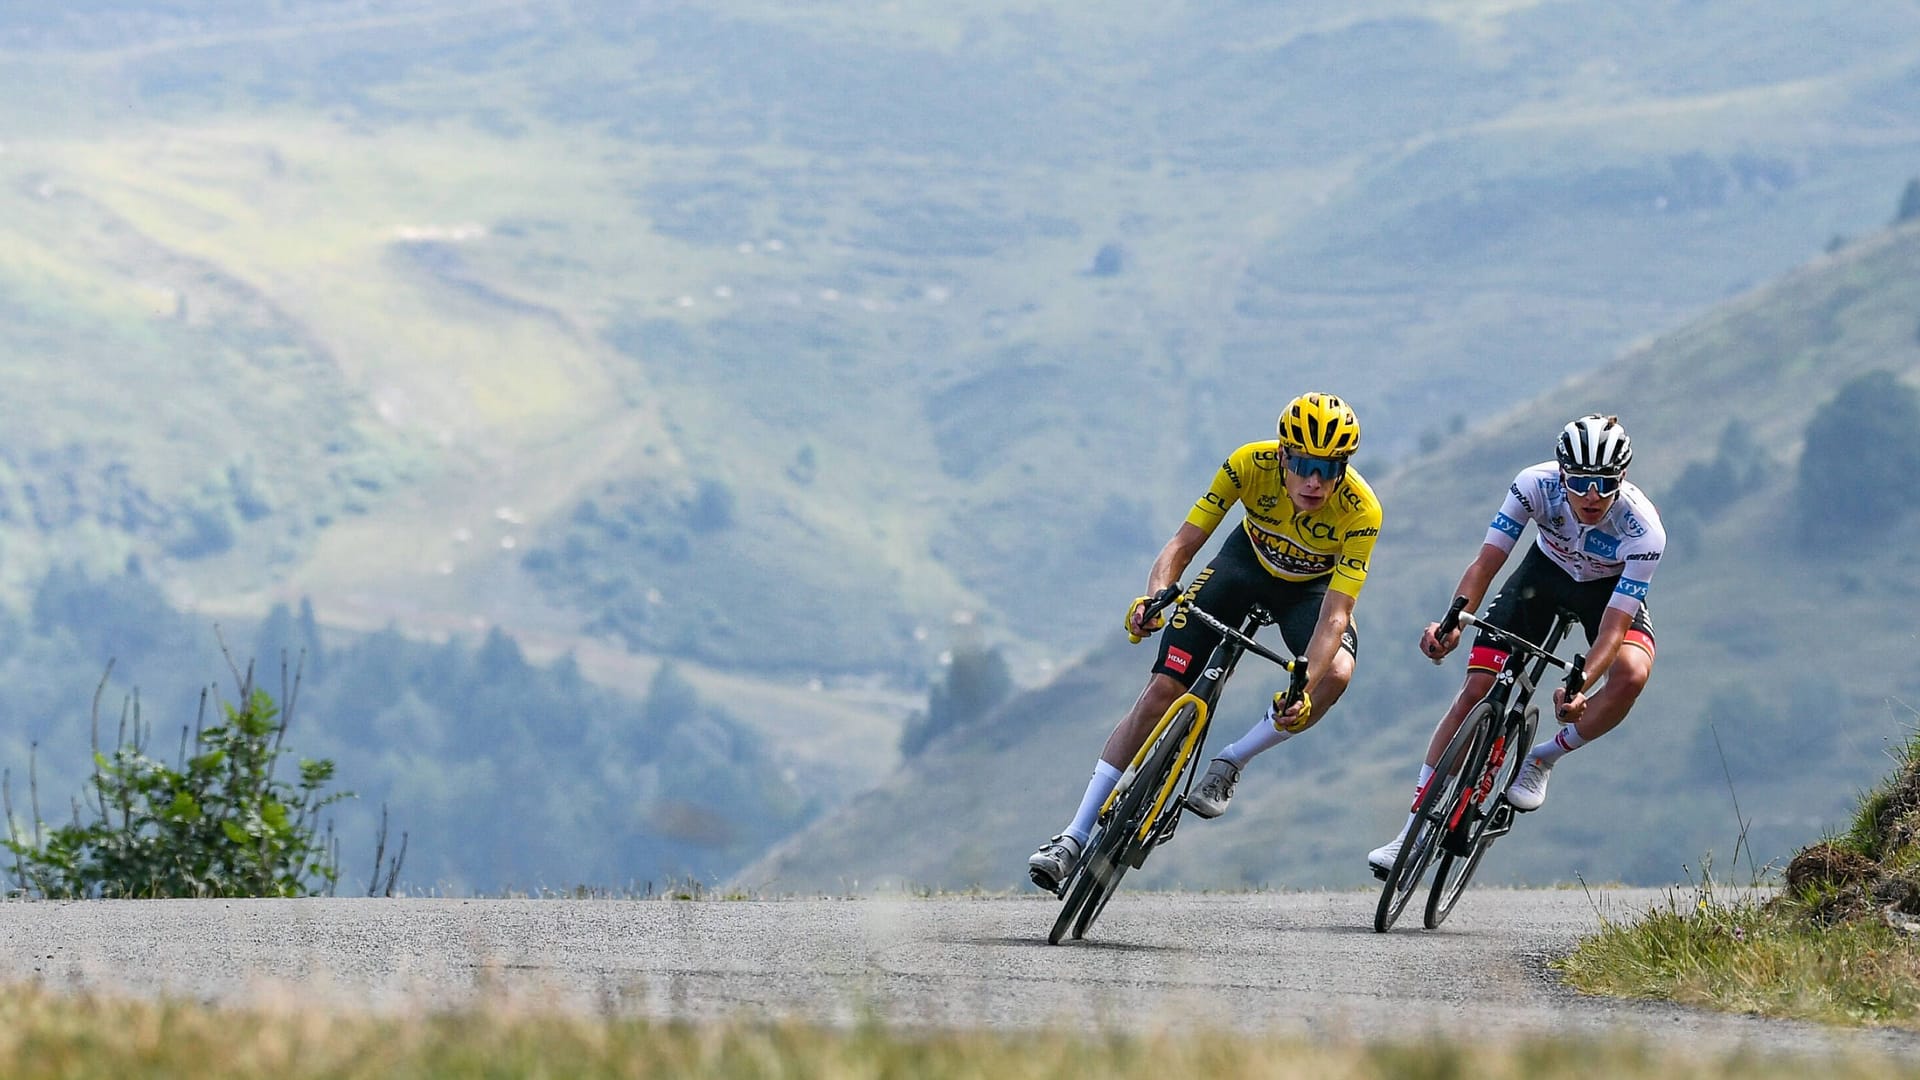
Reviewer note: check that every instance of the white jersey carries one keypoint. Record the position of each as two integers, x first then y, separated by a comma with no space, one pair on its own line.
1626,543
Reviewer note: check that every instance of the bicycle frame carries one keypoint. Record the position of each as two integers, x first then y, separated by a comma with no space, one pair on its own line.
1203,695
1510,695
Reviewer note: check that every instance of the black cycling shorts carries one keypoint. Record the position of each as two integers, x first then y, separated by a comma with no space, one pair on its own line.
1230,585
1527,602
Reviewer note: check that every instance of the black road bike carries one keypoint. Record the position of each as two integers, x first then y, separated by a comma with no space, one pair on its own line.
1144,810
1463,808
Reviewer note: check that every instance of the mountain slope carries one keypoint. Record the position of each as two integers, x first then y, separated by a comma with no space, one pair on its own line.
790,343
1782,672
452,286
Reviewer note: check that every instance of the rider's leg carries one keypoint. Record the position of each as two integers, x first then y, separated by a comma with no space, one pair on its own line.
1478,682
1133,728
1610,704
1122,745
1472,691
1263,736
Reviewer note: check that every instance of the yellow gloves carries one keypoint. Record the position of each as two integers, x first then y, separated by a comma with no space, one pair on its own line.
1300,722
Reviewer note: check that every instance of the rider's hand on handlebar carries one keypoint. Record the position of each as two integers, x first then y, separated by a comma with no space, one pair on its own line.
1435,649
1291,718
1135,628
1569,710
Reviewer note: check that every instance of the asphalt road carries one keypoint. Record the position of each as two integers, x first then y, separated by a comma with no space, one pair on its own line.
1287,963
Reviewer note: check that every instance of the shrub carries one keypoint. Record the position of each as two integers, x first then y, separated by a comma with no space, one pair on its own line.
218,822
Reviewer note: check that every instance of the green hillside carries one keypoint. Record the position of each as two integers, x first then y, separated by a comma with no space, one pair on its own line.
1784,671
418,281
792,343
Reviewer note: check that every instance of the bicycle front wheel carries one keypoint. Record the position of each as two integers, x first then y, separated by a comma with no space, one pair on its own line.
1120,842
1431,813
1459,860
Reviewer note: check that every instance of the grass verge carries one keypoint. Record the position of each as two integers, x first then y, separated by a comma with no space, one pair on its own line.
1757,957
48,1035
1838,943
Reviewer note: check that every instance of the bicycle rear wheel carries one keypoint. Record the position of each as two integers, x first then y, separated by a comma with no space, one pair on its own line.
1117,847
1454,870
1430,815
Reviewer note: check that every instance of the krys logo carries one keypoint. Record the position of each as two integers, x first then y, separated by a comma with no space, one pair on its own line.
1599,543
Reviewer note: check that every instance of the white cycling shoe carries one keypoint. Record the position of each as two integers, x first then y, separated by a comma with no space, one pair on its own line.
1048,867
1529,789
1215,789
1380,859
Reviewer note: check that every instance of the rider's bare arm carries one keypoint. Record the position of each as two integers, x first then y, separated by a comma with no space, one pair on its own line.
1336,612
1324,684
1473,585
1175,556
1167,568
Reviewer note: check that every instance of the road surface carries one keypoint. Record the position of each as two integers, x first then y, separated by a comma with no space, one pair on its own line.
1288,963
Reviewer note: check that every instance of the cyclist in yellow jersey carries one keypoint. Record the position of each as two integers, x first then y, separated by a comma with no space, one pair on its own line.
1301,553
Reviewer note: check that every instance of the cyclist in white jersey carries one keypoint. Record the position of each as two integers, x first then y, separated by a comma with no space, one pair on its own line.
1598,541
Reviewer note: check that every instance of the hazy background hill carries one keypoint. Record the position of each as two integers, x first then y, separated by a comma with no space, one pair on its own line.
798,345
1784,625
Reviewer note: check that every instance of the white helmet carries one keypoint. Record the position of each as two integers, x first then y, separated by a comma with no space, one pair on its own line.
1595,445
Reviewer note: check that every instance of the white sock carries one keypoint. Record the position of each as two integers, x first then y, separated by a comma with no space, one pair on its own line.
1098,788
1426,774
1259,739
1556,748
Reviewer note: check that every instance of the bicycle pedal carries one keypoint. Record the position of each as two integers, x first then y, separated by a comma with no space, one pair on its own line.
1500,821
1058,890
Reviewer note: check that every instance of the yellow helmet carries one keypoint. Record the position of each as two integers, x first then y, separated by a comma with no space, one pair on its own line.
1320,425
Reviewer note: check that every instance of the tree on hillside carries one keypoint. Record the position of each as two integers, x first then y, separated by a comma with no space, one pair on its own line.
1862,453
1740,466
976,681
1909,203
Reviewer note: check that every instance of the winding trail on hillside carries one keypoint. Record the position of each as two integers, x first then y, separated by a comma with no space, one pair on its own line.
1305,964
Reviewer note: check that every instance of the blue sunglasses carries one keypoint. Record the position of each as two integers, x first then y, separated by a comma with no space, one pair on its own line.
1307,466
1583,484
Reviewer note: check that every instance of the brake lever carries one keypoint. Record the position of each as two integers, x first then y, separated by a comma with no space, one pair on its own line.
1155,605
1298,684
1576,675
1449,623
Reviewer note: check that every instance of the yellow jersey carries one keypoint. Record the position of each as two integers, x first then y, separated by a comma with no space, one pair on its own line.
1336,539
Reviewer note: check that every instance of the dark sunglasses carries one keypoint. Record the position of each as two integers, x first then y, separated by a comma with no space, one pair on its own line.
1307,466
1583,484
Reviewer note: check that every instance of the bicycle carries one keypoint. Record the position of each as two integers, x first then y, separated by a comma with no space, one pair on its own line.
1463,808
1142,812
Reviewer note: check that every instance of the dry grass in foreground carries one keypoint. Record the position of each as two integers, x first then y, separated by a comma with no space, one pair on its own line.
48,1035
1839,944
